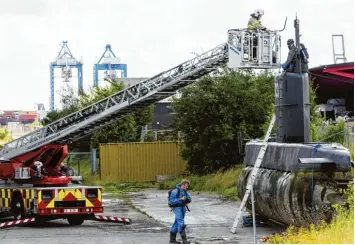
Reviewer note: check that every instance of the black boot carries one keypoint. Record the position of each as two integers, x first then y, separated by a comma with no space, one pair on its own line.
173,238
183,237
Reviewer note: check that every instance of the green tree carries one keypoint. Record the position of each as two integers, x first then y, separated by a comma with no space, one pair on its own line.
69,102
120,130
212,112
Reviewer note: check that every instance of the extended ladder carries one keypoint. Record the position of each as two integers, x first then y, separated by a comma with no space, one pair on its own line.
253,174
103,112
89,119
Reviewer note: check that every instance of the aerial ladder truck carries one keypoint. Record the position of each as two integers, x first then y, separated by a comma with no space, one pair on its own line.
31,187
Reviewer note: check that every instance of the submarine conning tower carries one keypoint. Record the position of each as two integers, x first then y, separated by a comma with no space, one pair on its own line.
292,101
297,182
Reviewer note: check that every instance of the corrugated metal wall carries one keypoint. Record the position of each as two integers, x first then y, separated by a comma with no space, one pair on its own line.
138,162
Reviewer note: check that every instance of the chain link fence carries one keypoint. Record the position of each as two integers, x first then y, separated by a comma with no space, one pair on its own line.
82,164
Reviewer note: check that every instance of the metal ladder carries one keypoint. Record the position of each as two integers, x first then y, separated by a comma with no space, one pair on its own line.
279,109
120,104
253,174
338,56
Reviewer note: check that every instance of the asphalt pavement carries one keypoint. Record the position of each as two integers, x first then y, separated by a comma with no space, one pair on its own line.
209,221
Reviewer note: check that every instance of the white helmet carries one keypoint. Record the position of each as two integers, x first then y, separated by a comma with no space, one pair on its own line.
258,13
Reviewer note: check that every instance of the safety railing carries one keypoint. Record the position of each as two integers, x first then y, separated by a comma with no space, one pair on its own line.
254,49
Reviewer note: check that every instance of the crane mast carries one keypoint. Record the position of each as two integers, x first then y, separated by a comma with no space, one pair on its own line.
65,61
110,64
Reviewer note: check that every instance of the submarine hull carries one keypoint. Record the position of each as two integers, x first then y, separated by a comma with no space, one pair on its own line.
297,184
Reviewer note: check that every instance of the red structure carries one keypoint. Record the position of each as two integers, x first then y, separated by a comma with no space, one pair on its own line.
27,118
334,81
24,117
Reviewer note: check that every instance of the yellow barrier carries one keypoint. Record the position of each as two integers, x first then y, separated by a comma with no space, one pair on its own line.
139,162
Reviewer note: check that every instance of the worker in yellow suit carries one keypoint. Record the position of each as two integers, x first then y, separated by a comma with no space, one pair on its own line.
254,22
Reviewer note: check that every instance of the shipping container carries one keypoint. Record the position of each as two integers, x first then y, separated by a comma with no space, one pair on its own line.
140,162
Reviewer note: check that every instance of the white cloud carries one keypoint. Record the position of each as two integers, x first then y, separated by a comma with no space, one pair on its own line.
150,36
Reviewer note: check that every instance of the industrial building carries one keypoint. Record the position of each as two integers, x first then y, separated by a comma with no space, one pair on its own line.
22,117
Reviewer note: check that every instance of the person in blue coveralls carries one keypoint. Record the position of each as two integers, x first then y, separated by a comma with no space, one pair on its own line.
178,200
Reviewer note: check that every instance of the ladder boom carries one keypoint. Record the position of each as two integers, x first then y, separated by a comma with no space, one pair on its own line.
259,50
101,113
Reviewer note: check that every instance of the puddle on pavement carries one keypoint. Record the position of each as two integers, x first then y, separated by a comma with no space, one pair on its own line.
212,240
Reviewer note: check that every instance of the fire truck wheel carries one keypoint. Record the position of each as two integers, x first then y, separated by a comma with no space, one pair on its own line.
17,207
75,220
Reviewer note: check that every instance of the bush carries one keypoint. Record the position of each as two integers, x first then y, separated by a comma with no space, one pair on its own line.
334,132
212,113
150,136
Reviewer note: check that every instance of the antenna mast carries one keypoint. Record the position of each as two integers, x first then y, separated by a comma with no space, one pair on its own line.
298,46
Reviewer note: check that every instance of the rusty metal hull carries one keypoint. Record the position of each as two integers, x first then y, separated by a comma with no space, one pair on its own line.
303,194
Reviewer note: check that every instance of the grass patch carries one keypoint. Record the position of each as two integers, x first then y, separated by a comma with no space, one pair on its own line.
339,231
221,183
115,189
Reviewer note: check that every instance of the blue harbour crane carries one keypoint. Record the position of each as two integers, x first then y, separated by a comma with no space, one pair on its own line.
110,64
65,61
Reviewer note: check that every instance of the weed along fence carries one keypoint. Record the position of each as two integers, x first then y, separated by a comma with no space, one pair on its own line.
140,162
